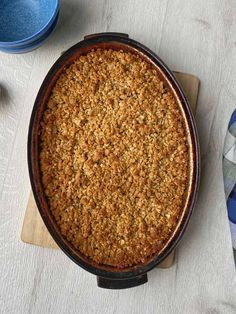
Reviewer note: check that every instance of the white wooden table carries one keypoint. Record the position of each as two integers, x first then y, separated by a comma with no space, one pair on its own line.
198,37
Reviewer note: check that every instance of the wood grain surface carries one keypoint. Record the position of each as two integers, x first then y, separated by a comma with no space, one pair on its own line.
190,36
35,232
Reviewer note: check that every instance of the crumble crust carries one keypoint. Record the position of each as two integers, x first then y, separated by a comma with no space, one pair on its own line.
114,158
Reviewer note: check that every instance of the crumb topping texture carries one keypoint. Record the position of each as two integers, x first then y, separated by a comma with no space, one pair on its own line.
114,158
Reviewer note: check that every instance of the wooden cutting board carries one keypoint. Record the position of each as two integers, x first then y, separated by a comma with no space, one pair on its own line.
34,231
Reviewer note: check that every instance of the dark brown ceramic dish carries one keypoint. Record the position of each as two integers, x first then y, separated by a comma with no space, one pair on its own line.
109,277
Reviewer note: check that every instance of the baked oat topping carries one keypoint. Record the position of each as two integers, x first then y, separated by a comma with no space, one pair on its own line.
114,158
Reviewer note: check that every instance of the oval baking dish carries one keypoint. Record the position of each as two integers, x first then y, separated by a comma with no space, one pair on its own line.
111,277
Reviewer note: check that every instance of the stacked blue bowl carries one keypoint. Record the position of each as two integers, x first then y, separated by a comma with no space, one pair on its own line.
26,24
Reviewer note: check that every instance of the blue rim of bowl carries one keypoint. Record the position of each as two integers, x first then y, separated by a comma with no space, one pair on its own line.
33,45
38,37
29,39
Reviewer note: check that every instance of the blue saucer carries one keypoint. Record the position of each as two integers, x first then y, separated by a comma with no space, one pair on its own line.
24,21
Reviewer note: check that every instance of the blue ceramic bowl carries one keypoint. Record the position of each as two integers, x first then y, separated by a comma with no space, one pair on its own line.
33,45
24,21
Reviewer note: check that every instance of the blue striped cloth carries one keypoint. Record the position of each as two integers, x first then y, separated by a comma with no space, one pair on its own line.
229,171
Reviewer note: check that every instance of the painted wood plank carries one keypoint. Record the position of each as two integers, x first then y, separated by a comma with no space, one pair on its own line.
190,36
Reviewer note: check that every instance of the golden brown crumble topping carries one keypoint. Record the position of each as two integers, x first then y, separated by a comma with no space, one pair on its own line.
114,158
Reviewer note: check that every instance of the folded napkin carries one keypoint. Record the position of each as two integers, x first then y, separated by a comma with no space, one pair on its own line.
229,172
